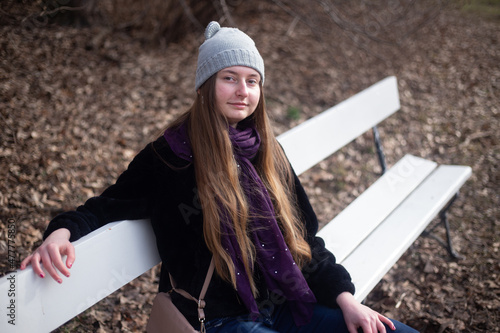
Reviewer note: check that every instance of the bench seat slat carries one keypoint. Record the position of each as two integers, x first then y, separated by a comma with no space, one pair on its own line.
385,245
319,137
99,270
344,233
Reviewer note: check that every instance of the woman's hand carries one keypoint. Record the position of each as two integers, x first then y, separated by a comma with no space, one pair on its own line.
357,315
50,254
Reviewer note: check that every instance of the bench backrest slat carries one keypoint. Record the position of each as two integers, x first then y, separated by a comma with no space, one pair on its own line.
106,260
319,137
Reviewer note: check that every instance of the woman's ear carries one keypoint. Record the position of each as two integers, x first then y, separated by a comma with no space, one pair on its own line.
198,91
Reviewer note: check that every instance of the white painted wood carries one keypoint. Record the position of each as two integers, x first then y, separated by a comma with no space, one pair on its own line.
315,139
106,259
344,233
385,245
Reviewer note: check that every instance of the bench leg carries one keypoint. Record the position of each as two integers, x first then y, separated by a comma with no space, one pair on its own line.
444,219
380,150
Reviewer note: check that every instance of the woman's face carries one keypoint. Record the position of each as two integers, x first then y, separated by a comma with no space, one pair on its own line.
237,92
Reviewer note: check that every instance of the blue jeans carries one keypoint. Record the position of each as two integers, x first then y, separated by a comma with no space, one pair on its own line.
281,320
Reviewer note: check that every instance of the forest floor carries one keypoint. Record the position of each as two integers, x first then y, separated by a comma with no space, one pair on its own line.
76,104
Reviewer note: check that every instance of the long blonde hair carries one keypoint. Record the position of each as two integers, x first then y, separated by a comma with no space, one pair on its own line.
220,190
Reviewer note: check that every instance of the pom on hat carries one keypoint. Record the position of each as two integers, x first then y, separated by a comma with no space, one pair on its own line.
226,47
211,29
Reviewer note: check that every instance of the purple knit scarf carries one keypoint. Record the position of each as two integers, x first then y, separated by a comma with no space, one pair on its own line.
275,261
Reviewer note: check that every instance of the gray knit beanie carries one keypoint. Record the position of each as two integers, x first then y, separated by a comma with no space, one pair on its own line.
226,47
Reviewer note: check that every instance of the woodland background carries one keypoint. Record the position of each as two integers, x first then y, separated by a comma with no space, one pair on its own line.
84,85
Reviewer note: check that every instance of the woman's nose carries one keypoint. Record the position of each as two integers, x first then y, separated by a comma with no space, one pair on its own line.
242,89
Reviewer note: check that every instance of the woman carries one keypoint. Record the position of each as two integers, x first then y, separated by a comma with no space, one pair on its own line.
218,185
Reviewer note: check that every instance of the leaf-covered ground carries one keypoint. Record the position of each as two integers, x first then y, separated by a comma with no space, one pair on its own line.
76,104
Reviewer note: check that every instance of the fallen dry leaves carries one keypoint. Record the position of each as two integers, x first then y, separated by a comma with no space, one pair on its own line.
77,104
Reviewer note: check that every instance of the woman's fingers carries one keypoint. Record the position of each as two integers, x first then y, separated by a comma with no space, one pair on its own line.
57,262
360,316
352,328
372,326
387,321
49,267
70,253
55,254
34,259
26,261
50,255
379,327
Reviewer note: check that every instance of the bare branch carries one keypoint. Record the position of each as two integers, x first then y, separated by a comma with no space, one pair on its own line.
189,14
227,15
62,8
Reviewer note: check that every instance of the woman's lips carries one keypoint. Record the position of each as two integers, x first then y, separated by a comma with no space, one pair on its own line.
239,104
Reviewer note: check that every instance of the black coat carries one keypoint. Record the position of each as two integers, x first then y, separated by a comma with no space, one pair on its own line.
161,187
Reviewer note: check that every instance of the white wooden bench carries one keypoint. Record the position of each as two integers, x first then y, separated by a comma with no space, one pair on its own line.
367,237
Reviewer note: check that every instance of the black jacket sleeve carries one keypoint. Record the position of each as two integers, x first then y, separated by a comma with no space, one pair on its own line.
126,199
325,277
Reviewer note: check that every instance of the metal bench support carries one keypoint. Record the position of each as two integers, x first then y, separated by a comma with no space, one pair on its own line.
380,150
443,215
